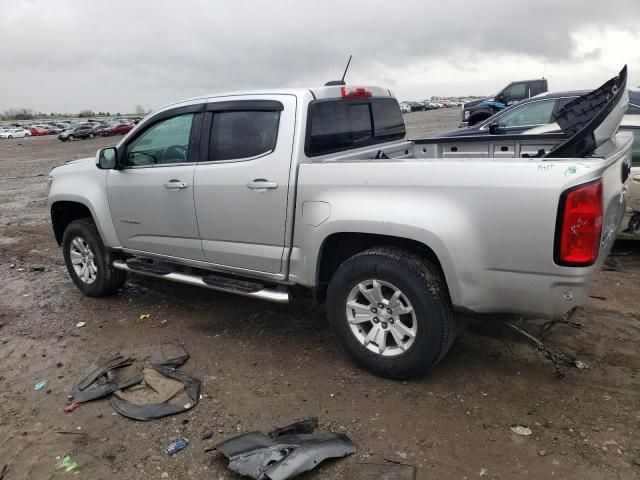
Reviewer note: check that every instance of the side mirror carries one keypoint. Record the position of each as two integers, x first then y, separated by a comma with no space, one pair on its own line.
106,158
493,128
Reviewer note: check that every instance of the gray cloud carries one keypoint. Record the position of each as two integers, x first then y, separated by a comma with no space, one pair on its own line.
113,55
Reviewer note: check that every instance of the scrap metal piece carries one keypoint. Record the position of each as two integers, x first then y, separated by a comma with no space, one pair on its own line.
557,357
262,457
381,471
109,382
145,406
308,425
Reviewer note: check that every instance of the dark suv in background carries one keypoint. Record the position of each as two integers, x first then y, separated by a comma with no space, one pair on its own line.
479,110
81,131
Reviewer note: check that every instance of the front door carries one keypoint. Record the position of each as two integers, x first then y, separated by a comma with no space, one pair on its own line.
242,186
151,193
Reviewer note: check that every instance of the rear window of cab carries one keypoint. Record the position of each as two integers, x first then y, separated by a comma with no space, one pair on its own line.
342,124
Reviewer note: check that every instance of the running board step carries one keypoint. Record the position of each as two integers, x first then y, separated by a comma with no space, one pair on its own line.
213,282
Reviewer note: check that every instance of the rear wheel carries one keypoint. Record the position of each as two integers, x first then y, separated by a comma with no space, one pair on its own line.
91,135
390,310
88,261
10,136
71,138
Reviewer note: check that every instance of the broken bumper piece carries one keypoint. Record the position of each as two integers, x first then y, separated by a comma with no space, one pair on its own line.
262,457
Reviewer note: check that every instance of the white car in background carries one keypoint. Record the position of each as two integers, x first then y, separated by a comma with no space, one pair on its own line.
15,133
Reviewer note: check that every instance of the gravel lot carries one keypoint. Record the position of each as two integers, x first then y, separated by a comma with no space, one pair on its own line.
263,365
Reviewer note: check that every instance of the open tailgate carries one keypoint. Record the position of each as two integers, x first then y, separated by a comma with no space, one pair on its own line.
591,119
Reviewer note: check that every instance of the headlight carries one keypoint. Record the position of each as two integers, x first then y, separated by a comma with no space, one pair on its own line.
465,116
49,182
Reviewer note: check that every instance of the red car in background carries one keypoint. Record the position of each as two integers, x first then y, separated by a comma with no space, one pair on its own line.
119,129
38,130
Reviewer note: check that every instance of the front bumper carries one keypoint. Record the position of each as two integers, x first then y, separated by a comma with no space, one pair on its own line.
463,124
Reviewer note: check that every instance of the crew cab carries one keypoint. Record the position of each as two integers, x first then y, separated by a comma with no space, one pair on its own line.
275,193
479,110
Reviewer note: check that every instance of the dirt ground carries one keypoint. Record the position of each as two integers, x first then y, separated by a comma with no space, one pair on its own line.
264,365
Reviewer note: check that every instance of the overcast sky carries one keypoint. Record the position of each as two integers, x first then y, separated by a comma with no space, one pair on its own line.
68,55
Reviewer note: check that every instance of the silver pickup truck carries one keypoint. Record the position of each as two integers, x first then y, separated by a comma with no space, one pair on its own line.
272,193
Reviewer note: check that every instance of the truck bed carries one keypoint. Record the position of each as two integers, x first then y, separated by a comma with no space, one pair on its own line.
486,211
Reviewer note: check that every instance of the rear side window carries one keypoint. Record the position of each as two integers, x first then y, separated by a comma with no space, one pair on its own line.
336,125
245,134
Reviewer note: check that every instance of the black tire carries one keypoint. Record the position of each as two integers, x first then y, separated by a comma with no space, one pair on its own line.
107,279
10,137
421,284
91,135
71,138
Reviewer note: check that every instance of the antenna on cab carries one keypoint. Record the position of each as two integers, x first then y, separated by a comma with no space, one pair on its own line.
341,81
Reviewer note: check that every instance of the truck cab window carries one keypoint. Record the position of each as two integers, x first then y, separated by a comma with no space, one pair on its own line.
337,125
165,142
243,134
517,91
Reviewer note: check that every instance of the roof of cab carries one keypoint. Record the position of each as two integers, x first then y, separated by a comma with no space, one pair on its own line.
316,92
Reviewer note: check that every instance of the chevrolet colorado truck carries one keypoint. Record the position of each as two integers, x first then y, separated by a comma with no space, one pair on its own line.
280,192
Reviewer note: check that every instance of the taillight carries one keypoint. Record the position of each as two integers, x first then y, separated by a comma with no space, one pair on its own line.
579,225
356,92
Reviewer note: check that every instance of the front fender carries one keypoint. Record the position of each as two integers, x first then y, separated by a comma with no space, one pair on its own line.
85,184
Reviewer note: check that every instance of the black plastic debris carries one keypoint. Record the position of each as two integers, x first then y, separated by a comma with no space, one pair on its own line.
381,471
141,384
283,453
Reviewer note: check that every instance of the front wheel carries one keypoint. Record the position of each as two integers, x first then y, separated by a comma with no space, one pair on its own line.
91,135
71,138
88,261
390,310
10,137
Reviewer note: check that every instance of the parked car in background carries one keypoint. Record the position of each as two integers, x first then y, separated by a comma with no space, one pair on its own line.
521,116
479,110
15,133
81,131
405,107
39,130
119,129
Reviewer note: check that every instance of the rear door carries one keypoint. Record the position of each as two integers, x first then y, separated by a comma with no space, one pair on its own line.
242,182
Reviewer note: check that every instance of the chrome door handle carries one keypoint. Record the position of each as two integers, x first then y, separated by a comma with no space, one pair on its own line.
261,184
175,185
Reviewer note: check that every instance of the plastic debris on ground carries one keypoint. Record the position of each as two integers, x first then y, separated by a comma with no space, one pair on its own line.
483,472
71,407
285,452
66,463
380,471
176,446
521,430
144,316
142,384
80,324
40,384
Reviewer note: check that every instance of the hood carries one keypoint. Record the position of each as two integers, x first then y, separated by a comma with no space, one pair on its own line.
81,164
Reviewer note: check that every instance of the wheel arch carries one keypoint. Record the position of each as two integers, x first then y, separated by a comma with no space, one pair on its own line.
64,212
338,247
